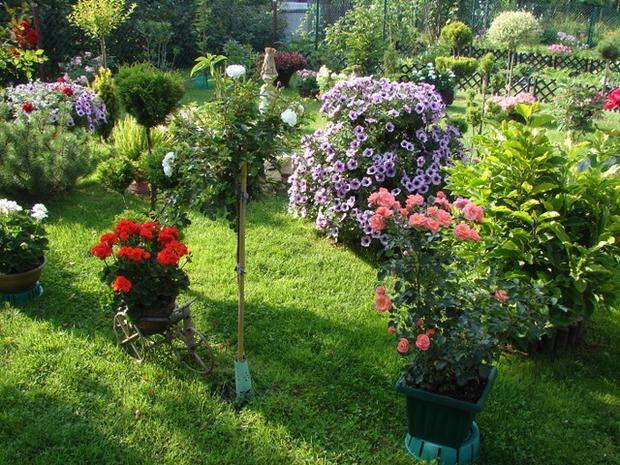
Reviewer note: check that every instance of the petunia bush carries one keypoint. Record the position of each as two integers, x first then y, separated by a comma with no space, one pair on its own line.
83,106
448,315
380,133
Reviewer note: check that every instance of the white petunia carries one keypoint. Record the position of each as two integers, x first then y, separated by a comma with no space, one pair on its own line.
289,117
9,206
235,71
167,163
38,212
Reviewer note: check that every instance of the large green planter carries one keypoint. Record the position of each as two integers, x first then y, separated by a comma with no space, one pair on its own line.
21,287
441,419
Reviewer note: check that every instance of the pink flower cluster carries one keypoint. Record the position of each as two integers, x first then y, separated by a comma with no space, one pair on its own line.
613,100
560,49
509,102
430,218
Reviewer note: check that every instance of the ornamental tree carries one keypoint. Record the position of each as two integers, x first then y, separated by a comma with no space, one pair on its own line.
98,18
512,29
609,51
456,35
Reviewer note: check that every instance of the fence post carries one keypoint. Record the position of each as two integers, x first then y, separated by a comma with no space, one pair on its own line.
591,24
316,26
385,11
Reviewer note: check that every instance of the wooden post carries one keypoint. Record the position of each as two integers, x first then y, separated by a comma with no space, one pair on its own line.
243,199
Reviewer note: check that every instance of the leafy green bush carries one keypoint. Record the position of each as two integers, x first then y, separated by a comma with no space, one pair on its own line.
578,108
148,94
39,160
241,54
551,220
116,174
456,35
462,67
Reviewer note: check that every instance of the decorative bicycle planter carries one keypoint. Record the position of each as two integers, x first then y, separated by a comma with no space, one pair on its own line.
177,331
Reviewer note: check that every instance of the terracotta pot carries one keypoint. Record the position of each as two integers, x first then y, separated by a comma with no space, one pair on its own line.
157,320
21,282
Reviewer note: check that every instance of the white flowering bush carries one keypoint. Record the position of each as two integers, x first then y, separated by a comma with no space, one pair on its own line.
23,240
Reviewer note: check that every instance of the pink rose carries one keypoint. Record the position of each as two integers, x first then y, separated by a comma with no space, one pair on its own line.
444,203
403,346
474,236
380,290
383,198
473,212
420,322
430,332
423,342
414,201
384,212
417,220
391,329
441,195
404,212
462,231
461,203
502,295
377,223
443,218
382,303
433,225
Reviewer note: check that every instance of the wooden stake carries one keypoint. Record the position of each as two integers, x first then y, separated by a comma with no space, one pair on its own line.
243,198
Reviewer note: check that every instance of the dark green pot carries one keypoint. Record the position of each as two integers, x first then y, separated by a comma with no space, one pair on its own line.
441,419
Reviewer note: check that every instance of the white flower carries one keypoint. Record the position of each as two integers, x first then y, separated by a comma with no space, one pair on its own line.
167,163
235,71
9,206
38,212
289,117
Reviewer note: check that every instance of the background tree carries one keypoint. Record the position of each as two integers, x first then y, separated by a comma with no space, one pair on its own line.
98,18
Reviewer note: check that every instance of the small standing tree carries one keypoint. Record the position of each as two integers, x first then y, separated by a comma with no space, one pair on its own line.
98,18
609,51
512,29
485,67
456,35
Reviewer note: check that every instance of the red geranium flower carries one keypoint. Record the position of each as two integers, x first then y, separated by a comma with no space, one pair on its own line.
28,107
126,229
68,91
168,257
101,250
148,230
179,248
168,234
135,254
109,239
121,284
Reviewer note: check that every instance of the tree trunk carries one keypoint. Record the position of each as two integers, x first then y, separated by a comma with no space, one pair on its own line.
104,58
606,77
151,183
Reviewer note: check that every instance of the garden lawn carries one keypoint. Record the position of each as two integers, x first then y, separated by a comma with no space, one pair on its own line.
322,361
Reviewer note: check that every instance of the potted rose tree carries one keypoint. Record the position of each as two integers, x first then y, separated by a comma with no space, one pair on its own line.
144,267
444,317
23,244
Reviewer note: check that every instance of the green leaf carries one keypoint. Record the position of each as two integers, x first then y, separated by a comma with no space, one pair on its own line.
544,187
548,215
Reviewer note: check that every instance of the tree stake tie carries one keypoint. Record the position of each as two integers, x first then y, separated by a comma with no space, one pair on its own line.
243,379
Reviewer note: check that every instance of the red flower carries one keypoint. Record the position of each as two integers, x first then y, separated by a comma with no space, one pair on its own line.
109,239
168,257
179,248
28,107
121,284
68,91
135,254
101,250
168,234
148,230
126,229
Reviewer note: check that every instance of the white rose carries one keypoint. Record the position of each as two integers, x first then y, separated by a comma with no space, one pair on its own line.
289,117
38,212
9,206
235,71
167,163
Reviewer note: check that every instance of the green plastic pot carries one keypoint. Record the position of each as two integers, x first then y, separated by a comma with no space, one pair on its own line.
441,419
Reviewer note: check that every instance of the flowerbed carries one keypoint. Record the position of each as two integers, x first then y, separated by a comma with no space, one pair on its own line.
381,134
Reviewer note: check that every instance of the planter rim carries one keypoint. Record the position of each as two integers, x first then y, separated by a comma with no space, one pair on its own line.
447,401
34,270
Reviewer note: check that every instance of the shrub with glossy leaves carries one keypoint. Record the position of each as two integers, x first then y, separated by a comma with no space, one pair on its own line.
381,133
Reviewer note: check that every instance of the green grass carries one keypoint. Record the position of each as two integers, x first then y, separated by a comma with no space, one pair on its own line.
322,361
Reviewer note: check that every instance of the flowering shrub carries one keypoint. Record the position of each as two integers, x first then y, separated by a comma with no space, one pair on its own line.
381,134
560,49
143,265
578,108
442,315
508,102
82,68
443,81
305,81
23,239
511,29
287,63
85,107
613,100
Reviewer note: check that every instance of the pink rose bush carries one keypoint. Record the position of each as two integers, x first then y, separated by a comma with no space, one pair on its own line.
509,102
445,315
560,49
613,100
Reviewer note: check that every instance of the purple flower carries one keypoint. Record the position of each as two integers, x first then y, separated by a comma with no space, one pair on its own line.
389,127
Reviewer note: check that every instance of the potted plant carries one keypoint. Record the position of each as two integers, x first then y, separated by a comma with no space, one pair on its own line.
444,315
23,244
144,267
305,81
444,82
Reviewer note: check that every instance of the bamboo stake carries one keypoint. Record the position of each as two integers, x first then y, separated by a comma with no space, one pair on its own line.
243,198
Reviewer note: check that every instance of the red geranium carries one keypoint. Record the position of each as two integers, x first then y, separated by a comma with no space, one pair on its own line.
178,247
28,107
149,230
126,229
135,254
68,91
101,251
168,257
25,35
108,238
168,234
122,284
